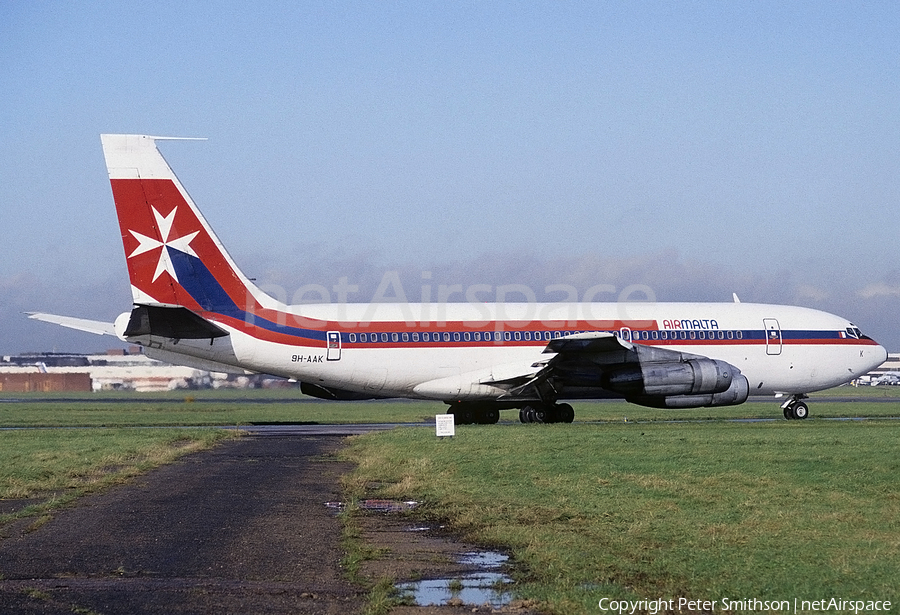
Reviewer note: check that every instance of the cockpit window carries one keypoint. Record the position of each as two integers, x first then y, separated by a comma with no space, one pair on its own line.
854,332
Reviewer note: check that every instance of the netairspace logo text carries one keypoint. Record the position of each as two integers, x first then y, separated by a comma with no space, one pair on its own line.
727,605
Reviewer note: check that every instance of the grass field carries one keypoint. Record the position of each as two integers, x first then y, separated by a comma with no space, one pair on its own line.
51,467
711,511
230,407
624,503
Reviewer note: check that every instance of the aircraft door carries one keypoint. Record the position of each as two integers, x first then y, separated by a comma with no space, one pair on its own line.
773,336
334,345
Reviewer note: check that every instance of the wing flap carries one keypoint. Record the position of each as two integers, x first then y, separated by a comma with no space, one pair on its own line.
591,342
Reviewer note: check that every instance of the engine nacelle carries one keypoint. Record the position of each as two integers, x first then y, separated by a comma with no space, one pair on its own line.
692,377
735,394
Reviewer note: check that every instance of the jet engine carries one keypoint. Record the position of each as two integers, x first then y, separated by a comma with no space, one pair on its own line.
692,377
735,394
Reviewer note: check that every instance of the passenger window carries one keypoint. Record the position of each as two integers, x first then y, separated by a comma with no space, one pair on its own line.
740,335
363,337
467,336
384,337
426,337
477,335
456,336
352,337
395,337
416,336
446,337
405,337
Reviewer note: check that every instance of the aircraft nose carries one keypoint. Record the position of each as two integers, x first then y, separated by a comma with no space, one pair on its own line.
875,357
881,354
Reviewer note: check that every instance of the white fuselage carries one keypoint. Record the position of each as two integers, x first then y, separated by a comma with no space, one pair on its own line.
381,349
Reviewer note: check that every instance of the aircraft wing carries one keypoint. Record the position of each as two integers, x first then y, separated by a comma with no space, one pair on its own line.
96,327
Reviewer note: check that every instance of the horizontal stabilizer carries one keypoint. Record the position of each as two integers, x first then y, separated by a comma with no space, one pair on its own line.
97,327
172,322
177,358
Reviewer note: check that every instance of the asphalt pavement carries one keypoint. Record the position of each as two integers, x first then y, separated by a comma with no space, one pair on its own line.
242,528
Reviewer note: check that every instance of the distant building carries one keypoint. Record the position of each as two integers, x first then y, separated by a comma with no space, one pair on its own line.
115,370
27,382
886,373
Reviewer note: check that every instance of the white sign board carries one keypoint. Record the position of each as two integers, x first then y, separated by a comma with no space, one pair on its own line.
445,425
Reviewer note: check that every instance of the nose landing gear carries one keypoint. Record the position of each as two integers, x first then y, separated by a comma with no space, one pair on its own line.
794,408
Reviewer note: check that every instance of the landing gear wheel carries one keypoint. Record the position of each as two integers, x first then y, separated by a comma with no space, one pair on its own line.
532,414
488,416
799,410
564,413
794,408
463,414
557,413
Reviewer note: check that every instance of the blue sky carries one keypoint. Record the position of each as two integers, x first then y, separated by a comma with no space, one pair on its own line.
696,148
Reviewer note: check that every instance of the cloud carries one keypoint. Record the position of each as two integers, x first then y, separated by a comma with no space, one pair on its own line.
879,289
813,293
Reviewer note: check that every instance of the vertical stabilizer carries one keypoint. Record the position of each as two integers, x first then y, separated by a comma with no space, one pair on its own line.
173,256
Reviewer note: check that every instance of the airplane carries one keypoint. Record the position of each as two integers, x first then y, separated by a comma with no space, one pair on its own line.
192,305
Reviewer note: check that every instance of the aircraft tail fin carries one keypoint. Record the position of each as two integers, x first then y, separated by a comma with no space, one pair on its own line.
174,258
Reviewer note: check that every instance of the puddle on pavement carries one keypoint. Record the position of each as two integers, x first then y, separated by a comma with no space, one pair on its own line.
378,505
417,528
482,585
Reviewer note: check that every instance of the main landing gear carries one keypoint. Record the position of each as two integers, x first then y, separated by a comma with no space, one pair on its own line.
794,408
547,413
474,414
